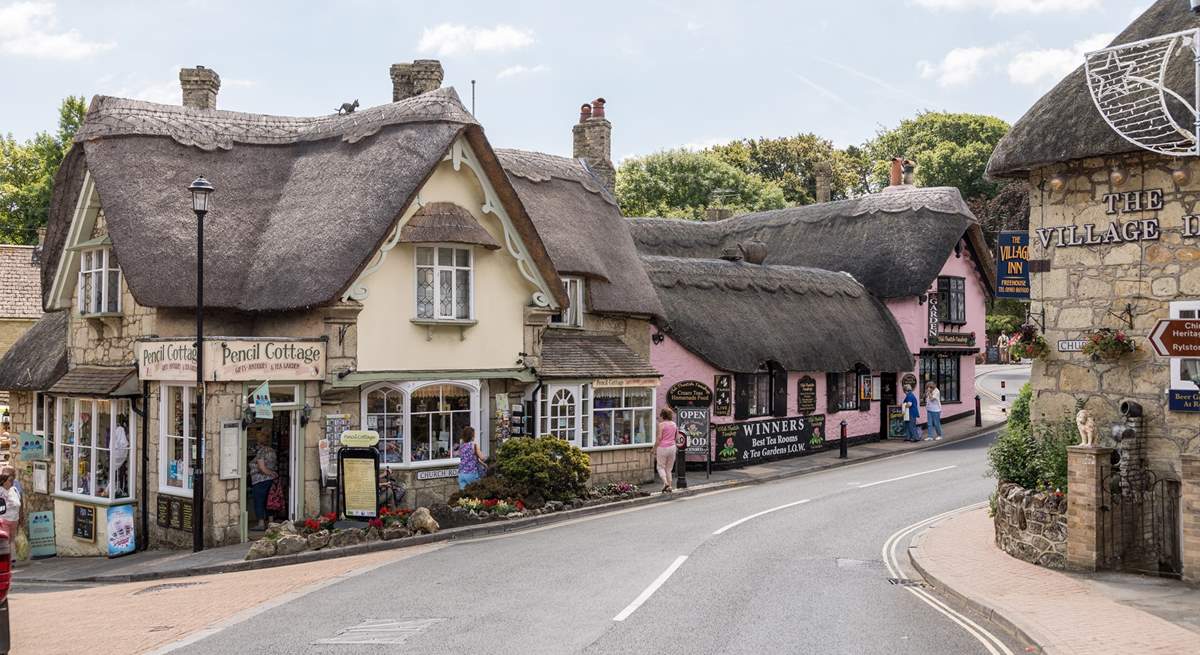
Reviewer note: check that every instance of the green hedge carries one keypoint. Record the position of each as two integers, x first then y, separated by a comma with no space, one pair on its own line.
1034,457
535,470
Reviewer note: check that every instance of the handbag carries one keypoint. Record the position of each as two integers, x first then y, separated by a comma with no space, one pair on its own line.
275,497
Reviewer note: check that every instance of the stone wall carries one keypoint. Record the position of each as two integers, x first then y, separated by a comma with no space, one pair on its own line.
634,465
1032,525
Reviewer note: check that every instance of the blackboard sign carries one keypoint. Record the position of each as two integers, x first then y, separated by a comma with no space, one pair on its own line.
163,512
722,395
754,441
895,421
185,516
689,393
806,395
176,514
83,525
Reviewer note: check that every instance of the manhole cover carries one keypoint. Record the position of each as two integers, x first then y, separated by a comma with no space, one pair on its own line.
153,589
846,563
378,631
905,582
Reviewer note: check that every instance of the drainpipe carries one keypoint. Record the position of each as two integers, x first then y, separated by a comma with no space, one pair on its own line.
536,390
144,415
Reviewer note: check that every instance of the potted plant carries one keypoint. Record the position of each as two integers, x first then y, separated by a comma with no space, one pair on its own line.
1028,344
1108,344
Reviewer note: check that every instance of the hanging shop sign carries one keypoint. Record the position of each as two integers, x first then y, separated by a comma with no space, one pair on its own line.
83,523
624,382
262,401
232,359
693,425
931,334
32,446
1070,345
722,395
1183,400
41,535
754,441
121,537
806,395
1012,265
358,481
689,393
909,380
1176,338
359,438
956,338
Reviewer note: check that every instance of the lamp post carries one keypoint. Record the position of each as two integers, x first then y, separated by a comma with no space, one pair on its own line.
201,189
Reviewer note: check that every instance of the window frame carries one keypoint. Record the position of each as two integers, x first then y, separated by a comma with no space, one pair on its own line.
1177,309
406,389
652,408
115,405
41,410
949,383
87,294
437,268
846,391
188,409
573,313
580,434
952,299
760,379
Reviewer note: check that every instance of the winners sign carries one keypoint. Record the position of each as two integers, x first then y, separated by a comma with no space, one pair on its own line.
754,441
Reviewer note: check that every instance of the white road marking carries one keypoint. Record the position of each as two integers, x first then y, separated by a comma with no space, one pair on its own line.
649,591
378,632
754,516
905,477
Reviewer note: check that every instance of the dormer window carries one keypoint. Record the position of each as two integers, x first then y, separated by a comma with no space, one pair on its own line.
444,283
99,282
572,315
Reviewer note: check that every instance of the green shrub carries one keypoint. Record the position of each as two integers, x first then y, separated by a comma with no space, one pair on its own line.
1013,458
1033,457
1052,441
548,467
1018,414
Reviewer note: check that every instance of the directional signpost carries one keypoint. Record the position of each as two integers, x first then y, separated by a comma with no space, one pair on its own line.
1176,338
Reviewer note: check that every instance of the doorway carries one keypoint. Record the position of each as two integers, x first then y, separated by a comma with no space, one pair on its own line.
887,396
273,439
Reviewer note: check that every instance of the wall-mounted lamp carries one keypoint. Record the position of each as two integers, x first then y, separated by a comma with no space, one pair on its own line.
658,337
341,375
1058,182
247,417
1118,176
921,299
1181,173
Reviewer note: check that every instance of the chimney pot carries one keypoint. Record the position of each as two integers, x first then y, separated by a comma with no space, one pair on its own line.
585,112
200,86
592,142
598,108
902,171
421,76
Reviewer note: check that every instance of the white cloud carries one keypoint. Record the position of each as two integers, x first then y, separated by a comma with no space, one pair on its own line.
959,66
521,70
1052,64
1012,6
449,39
28,29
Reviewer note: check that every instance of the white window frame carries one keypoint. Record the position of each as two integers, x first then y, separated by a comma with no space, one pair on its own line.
438,268
1178,307
406,390
101,291
652,423
42,409
581,392
572,315
94,447
189,394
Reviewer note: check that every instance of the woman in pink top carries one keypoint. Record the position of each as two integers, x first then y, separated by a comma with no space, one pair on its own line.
665,455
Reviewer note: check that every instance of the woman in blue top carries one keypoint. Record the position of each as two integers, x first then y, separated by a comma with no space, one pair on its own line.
470,459
912,411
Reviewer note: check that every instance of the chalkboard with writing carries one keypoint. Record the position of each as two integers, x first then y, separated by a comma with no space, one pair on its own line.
163,511
895,421
176,514
185,516
83,525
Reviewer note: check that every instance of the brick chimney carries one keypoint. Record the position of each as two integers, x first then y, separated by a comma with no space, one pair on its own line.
902,171
592,141
717,213
200,86
824,181
421,76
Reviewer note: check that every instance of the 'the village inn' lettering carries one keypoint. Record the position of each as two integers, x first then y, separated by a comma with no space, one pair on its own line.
1146,229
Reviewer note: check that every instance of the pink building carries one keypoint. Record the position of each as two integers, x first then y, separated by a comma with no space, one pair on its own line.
853,297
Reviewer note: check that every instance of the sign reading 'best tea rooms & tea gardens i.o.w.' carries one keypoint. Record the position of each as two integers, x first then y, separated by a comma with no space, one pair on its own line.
241,359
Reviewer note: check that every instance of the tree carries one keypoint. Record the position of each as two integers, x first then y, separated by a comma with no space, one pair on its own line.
949,149
792,163
27,174
683,184
1008,209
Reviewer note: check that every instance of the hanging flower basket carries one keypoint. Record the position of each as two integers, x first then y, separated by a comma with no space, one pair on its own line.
1108,344
1028,344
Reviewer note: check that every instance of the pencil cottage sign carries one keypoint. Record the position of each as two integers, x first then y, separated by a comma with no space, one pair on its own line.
232,359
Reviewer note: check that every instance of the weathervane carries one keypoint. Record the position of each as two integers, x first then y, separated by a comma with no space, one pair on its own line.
1128,85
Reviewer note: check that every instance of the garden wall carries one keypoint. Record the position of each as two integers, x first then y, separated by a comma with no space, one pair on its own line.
1032,525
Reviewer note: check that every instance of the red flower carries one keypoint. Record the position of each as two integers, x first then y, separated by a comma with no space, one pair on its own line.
520,505
491,502
312,524
1120,336
375,523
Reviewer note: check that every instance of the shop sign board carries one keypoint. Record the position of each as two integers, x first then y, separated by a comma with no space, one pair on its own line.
1183,400
41,535
232,359
611,383
1176,338
185,516
437,474
83,523
359,438
693,425
689,393
895,421
1012,265
162,514
722,394
931,334
121,536
32,446
358,481
754,441
806,395
956,338
1070,345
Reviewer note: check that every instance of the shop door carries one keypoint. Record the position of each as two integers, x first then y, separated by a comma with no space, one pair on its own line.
887,396
271,439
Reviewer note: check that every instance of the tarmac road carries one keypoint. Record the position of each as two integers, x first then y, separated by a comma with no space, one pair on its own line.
792,566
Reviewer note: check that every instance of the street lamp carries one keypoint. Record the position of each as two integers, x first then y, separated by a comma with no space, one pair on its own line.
201,189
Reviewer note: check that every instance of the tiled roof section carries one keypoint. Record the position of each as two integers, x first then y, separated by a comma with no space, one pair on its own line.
574,354
20,283
92,380
37,359
209,130
541,167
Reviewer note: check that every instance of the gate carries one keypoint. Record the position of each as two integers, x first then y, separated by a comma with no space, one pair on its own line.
1139,525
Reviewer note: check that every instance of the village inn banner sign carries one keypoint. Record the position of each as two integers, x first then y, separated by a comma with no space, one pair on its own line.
1146,229
174,360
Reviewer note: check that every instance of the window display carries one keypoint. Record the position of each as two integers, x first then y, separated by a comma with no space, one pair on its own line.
385,415
623,416
92,447
177,433
419,422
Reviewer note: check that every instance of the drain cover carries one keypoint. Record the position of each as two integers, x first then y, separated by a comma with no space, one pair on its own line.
905,582
153,589
378,631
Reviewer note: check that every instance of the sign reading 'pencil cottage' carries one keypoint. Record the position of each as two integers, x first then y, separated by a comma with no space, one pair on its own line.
233,359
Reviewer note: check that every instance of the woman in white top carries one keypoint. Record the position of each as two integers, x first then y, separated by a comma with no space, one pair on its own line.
933,409
12,512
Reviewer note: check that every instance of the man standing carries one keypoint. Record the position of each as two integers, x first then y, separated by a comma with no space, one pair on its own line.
912,412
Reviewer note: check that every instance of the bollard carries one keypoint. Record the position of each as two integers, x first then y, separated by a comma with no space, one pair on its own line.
842,442
978,416
1002,383
1003,397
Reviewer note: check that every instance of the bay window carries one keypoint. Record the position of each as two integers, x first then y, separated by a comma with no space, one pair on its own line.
99,282
385,415
444,280
93,447
572,314
177,428
623,416
565,412
420,422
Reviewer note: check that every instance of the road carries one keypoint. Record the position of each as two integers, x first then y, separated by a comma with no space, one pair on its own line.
998,386
792,566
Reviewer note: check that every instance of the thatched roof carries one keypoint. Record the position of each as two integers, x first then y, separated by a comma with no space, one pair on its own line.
1065,123
737,316
39,358
301,203
582,227
895,242
445,222
575,354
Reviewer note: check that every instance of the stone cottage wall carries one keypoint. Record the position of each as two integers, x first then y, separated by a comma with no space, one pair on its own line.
1032,525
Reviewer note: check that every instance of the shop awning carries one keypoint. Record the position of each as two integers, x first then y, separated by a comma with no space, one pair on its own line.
573,354
98,381
446,222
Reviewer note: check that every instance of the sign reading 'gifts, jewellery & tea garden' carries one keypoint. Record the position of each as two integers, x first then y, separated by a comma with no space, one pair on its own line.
242,359
754,441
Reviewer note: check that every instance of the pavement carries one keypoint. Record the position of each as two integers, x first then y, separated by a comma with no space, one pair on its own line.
1062,613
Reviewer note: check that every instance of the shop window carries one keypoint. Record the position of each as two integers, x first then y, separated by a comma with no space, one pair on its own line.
942,368
572,315
438,414
952,300
1185,371
93,449
565,412
42,408
99,282
842,391
385,415
177,437
444,277
762,393
622,416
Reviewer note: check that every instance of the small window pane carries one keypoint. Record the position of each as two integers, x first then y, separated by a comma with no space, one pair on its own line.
425,293
462,294
462,258
114,291
424,256
445,292
445,256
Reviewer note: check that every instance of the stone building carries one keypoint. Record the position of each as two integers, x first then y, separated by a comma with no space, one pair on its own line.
1113,244
20,296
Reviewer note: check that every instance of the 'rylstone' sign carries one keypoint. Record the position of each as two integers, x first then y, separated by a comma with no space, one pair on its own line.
174,360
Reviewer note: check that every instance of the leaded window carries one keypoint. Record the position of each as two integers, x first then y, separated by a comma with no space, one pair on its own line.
444,276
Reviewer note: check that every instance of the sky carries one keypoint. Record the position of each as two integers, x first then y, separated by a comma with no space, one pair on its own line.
674,74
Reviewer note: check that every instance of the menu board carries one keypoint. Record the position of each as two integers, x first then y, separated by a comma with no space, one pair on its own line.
162,512
895,421
359,482
722,395
83,524
806,395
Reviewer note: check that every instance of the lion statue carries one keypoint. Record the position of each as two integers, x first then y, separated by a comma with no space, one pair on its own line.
1087,428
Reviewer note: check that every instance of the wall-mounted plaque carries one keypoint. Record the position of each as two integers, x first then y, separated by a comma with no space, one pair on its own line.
722,395
806,395
83,523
